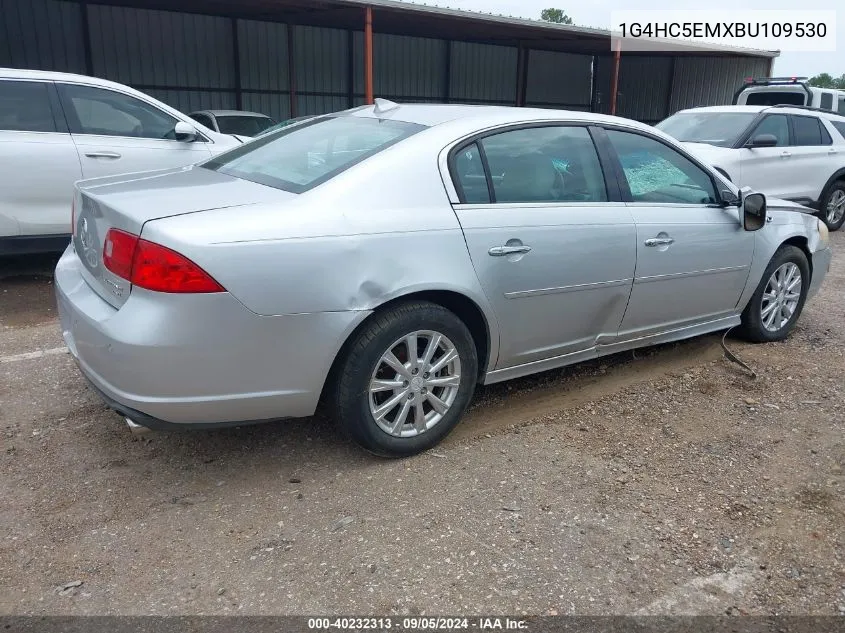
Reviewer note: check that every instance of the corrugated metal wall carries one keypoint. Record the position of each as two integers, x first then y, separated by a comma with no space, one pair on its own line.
700,81
482,73
644,83
41,34
196,62
558,79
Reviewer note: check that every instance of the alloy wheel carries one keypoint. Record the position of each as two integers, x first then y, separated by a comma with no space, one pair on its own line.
414,384
781,297
836,206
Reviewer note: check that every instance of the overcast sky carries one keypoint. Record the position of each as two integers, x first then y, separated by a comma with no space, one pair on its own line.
596,13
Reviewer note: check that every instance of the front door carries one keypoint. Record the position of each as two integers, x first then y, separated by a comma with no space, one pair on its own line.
693,256
769,169
117,133
554,256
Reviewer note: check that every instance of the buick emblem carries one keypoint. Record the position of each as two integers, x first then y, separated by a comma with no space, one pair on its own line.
87,240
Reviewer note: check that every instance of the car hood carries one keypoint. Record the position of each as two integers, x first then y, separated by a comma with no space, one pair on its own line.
705,151
133,199
779,204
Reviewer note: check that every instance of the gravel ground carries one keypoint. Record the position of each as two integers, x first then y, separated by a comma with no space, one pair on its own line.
662,482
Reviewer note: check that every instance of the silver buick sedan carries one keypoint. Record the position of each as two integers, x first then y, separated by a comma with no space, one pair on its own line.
386,259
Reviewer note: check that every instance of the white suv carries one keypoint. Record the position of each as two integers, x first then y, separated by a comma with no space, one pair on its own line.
786,152
57,128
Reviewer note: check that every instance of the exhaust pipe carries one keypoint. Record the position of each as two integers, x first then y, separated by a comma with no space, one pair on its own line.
137,429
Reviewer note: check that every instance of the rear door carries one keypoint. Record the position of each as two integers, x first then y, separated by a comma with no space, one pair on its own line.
768,169
814,158
39,160
117,133
551,242
693,256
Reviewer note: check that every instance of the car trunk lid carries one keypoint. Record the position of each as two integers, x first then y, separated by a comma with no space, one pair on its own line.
127,202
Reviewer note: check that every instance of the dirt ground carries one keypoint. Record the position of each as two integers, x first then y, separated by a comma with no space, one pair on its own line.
662,482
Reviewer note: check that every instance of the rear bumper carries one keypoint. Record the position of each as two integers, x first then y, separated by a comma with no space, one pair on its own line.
821,266
200,360
32,244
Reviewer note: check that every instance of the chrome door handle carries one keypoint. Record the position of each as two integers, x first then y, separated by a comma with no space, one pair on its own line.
831,151
501,251
659,241
102,154
785,154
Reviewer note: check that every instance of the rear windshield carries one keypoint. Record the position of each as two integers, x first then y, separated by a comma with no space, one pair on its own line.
775,97
722,129
244,125
300,157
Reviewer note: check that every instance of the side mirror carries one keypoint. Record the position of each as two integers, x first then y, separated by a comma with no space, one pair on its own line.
185,132
753,211
763,140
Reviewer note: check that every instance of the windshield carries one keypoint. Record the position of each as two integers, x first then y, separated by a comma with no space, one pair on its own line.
714,128
243,125
299,157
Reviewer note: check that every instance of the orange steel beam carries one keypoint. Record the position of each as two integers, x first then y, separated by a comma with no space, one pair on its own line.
614,85
368,54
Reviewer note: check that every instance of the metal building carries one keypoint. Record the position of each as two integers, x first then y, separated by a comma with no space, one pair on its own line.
293,57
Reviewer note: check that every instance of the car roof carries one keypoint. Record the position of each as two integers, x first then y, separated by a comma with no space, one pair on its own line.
754,109
49,75
432,114
229,113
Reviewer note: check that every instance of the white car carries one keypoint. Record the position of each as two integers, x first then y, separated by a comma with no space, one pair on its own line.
57,128
786,152
769,91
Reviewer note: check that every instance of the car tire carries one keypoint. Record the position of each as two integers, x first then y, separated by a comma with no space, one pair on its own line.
832,206
397,414
774,300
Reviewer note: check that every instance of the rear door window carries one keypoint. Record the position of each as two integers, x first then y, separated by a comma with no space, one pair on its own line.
826,101
544,164
809,131
303,156
25,107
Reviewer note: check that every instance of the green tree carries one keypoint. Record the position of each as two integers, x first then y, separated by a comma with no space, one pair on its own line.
823,80
558,16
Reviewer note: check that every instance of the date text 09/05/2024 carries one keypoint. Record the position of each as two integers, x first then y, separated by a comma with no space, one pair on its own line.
420,623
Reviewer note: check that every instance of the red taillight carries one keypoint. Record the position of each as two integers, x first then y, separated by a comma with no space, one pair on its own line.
154,267
118,251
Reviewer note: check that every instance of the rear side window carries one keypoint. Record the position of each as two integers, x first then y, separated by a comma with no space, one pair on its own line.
841,108
470,175
826,101
303,156
809,131
775,124
25,107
